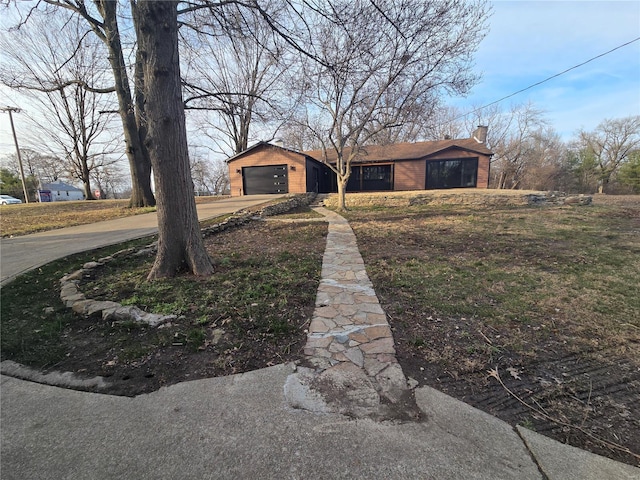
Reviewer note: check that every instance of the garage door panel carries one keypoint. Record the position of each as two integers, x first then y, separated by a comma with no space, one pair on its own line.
265,179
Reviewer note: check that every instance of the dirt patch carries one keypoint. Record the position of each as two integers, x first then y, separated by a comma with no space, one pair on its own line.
544,300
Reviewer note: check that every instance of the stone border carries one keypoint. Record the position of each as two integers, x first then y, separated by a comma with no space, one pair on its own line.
462,197
73,298
56,379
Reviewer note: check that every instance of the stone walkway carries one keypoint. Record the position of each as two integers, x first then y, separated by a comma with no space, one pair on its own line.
350,350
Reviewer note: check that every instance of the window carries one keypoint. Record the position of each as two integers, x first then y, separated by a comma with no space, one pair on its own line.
370,178
455,173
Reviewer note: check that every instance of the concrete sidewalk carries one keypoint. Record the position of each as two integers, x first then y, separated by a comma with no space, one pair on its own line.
240,427
243,427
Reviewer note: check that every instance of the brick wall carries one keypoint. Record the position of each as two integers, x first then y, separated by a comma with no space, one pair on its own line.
409,175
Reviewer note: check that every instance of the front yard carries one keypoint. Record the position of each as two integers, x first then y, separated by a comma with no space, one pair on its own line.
529,313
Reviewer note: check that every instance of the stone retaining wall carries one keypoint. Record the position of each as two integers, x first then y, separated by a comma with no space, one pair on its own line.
459,197
242,217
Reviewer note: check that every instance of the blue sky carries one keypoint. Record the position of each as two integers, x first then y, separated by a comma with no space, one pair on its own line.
528,42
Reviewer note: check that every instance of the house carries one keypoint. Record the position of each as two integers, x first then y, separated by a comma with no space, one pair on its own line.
60,191
450,163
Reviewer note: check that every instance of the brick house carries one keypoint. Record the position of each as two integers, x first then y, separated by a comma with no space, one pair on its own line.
451,163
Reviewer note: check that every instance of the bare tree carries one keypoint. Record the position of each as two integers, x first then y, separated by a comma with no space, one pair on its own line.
509,137
209,177
45,168
448,122
109,180
69,116
236,71
298,136
101,17
372,62
180,244
611,143
219,178
546,167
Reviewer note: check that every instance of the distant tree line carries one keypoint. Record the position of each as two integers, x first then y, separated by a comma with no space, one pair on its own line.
210,177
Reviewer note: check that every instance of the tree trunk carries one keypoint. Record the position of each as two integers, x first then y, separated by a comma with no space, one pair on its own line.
343,172
342,193
86,181
502,180
180,242
139,163
144,163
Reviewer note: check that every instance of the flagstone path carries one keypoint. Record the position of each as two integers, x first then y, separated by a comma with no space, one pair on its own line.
350,350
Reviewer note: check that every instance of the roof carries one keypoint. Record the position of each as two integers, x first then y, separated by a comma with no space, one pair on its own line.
60,187
262,144
381,153
406,151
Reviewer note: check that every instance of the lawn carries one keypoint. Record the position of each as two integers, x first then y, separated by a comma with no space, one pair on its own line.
529,313
253,312
545,300
39,217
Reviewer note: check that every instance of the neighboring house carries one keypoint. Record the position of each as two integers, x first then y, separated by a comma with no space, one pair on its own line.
451,163
61,191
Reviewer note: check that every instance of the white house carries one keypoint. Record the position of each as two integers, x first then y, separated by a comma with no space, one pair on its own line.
61,191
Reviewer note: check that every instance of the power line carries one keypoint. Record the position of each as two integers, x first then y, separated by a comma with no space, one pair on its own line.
546,79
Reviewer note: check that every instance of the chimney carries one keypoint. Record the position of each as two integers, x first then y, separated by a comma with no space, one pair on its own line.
278,142
480,134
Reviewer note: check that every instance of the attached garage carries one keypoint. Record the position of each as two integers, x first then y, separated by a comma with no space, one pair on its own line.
265,179
266,169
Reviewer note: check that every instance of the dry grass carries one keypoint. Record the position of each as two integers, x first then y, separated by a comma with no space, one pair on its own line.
39,217
550,296
573,269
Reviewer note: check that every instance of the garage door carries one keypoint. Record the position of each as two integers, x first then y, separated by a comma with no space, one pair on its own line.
269,179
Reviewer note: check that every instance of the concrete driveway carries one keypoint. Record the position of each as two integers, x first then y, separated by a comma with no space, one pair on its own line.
21,254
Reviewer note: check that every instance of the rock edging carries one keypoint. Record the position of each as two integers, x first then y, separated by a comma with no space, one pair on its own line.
75,299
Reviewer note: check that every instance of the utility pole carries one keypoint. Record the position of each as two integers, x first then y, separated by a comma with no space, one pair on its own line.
15,140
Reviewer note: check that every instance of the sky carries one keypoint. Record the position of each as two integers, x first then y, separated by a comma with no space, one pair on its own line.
529,41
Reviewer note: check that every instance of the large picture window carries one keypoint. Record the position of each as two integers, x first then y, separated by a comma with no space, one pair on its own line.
456,173
370,178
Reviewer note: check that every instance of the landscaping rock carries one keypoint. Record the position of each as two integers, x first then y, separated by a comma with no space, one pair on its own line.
579,200
90,265
69,300
131,313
